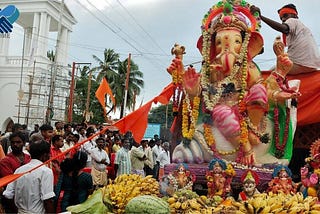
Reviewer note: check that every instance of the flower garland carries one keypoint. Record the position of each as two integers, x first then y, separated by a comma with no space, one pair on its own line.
209,100
177,90
208,136
244,134
175,183
280,148
189,116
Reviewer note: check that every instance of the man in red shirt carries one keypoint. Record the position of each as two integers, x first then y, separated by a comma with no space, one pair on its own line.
12,161
55,150
17,157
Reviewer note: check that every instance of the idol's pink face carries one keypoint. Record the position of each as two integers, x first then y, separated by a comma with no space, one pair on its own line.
217,168
283,174
228,44
181,169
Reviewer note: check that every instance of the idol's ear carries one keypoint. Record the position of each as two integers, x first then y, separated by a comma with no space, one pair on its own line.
255,44
212,48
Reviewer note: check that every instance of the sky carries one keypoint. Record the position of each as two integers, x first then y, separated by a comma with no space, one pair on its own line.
148,29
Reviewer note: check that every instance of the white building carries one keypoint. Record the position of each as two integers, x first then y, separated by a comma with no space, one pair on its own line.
36,76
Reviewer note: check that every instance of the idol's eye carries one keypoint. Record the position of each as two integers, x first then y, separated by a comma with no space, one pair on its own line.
218,42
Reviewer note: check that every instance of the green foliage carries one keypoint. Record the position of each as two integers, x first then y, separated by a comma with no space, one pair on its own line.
115,71
80,98
158,115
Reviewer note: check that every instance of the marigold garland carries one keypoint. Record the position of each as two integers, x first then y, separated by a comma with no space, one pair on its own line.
189,116
177,75
208,136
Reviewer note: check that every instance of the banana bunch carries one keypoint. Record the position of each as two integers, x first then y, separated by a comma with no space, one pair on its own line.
279,203
125,187
186,203
226,206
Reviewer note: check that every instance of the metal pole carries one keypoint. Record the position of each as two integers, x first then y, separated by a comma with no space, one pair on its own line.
30,93
86,114
127,85
70,111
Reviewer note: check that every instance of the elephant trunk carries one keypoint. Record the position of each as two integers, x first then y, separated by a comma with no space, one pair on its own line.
227,61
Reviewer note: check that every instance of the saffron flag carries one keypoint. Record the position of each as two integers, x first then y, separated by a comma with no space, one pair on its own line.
101,93
137,121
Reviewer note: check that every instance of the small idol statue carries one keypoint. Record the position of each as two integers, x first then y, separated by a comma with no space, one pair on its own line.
181,178
250,180
282,181
219,178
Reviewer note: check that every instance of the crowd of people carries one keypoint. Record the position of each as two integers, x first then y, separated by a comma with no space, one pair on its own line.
71,172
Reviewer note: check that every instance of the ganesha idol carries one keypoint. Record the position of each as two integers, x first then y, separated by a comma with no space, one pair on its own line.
228,110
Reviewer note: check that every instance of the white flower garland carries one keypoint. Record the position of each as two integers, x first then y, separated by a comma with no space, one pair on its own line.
210,102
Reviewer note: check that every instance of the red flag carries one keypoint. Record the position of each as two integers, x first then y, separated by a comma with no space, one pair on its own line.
137,121
102,91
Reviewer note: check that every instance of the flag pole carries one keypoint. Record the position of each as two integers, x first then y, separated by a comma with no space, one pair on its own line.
127,85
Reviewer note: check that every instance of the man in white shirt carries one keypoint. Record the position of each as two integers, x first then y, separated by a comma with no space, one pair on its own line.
100,160
33,191
163,159
88,146
156,149
302,47
148,162
137,157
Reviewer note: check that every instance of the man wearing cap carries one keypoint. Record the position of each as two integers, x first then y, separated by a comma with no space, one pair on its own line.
302,47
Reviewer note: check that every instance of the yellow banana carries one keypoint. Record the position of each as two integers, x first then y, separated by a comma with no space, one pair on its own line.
184,205
194,204
236,203
315,207
171,200
249,208
203,197
265,210
177,205
275,206
256,203
311,200
300,197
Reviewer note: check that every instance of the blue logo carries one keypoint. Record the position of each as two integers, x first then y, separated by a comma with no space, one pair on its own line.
7,17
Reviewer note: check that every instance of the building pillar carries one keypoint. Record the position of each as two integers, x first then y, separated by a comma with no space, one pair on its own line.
63,43
4,49
35,36
42,41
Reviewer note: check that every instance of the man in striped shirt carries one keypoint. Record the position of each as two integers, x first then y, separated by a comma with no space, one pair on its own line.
122,162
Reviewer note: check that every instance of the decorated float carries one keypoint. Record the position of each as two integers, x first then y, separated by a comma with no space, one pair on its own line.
229,109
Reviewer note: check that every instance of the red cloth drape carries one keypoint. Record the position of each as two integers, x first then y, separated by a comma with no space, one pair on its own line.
137,121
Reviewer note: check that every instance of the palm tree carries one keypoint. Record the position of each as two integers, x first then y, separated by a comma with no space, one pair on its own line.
134,87
81,98
115,71
108,66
